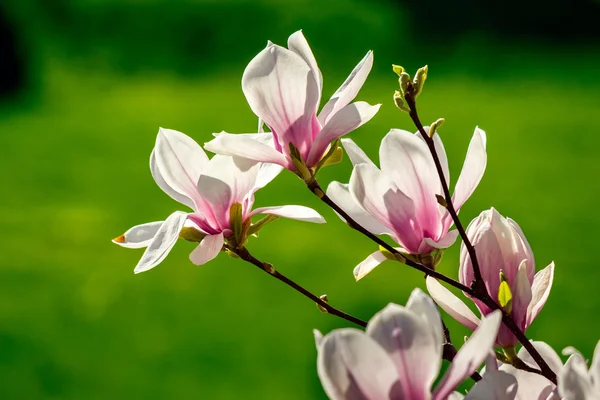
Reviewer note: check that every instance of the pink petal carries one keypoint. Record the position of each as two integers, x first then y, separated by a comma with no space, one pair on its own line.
542,283
162,242
368,264
341,196
281,90
521,291
455,307
351,365
446,241
472,170
406,159
344,121
547,353
495,385
379,196
349,89
470,356
208,249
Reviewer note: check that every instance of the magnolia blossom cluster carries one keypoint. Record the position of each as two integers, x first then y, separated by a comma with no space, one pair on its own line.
399,355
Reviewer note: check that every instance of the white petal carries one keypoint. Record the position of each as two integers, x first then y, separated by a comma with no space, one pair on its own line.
495,385
281,90
471,354
472,170
246,146
208,249
446,241
422,305
410,343
299,213
355,153
542,283
344,121
574,382
455,307
547,353
349,89
162,243
378,195
298,44
340,194
139,236
368,264
351,365
176,165
595,367
456,396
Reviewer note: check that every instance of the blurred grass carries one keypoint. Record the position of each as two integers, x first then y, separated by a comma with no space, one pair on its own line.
76,323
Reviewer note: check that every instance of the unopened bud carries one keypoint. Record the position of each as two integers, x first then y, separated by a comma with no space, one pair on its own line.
399,101
398,70
505,296
404,82
419,81
435,126
269,268
324,299
441,200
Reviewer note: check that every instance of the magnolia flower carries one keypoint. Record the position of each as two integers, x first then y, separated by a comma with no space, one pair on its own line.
501,248
506,382
210,188
575,381
283,88
400,198
400,354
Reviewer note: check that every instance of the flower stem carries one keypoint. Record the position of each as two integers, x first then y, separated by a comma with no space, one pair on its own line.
478,288
245,255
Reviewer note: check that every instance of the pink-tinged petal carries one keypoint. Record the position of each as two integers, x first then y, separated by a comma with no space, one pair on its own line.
378,195
472,170
344,121
408,340
299,213
298,44
406,159
266,174
349,89
340,194
574,382
176,163
351,365
423,306
495,385
595,367
455,307
139,236
446,241
227,180
246,146
162,243
441,152
281,90
524,247
521,291
368,264
355,153
547,353
208,249
471,355
318,338
542,283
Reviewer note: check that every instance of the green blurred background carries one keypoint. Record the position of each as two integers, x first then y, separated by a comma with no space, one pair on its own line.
84,86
